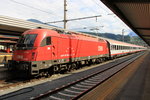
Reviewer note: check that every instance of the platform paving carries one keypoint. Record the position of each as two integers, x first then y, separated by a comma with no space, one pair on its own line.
138,86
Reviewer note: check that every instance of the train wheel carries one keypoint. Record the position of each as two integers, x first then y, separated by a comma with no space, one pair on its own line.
87,63
50,71
103,59
41,74
74,66
69,67
56,69
90,62
98,61
63,68
46,74
79,65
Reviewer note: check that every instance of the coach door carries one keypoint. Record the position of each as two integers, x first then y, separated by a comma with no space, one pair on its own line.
109,48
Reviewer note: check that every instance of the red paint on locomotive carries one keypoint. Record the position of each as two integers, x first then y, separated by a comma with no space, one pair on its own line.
62,46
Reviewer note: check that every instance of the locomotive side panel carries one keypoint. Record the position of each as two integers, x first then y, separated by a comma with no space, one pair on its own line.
54,47
63,49
92,49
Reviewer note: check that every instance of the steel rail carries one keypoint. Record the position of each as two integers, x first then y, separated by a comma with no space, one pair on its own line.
74,97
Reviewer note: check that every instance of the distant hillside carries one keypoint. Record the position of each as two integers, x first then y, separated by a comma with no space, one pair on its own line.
131,38
132,34
35,20
111,36
40,22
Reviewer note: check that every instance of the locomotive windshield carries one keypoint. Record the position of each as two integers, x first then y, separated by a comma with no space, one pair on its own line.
26,40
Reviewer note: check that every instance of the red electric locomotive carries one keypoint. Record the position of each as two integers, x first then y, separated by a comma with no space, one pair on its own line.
44,51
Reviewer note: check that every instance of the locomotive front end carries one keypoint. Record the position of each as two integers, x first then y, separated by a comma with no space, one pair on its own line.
24,55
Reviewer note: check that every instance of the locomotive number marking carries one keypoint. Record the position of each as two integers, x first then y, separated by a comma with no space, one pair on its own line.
20,57
100,48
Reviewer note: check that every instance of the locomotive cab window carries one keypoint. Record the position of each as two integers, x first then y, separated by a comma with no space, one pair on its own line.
46,41
27,40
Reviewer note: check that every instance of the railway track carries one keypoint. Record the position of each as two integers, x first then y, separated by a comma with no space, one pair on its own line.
7,82
78,88
87,81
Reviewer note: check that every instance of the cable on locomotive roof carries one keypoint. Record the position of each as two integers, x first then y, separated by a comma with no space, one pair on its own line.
59,31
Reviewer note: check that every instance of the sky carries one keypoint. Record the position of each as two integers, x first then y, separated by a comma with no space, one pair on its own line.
53,10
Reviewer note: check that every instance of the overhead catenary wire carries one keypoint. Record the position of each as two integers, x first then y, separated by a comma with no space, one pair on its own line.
75,19
52,13
48,12
100,6
95,12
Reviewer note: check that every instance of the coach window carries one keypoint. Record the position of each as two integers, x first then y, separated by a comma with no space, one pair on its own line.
46,41
112,47
115,47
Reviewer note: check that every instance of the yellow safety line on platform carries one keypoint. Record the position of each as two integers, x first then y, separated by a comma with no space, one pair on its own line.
4,55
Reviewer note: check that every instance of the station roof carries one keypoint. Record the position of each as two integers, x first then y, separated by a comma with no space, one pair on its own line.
15,27
8,38
12,28
135,13
7,42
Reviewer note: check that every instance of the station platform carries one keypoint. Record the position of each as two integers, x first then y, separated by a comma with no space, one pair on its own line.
4,57
2,53
132,83
138,86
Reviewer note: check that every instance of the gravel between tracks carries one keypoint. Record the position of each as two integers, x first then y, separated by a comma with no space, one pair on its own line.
53,81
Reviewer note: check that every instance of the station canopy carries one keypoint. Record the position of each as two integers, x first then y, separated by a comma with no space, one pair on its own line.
135,13
12,28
